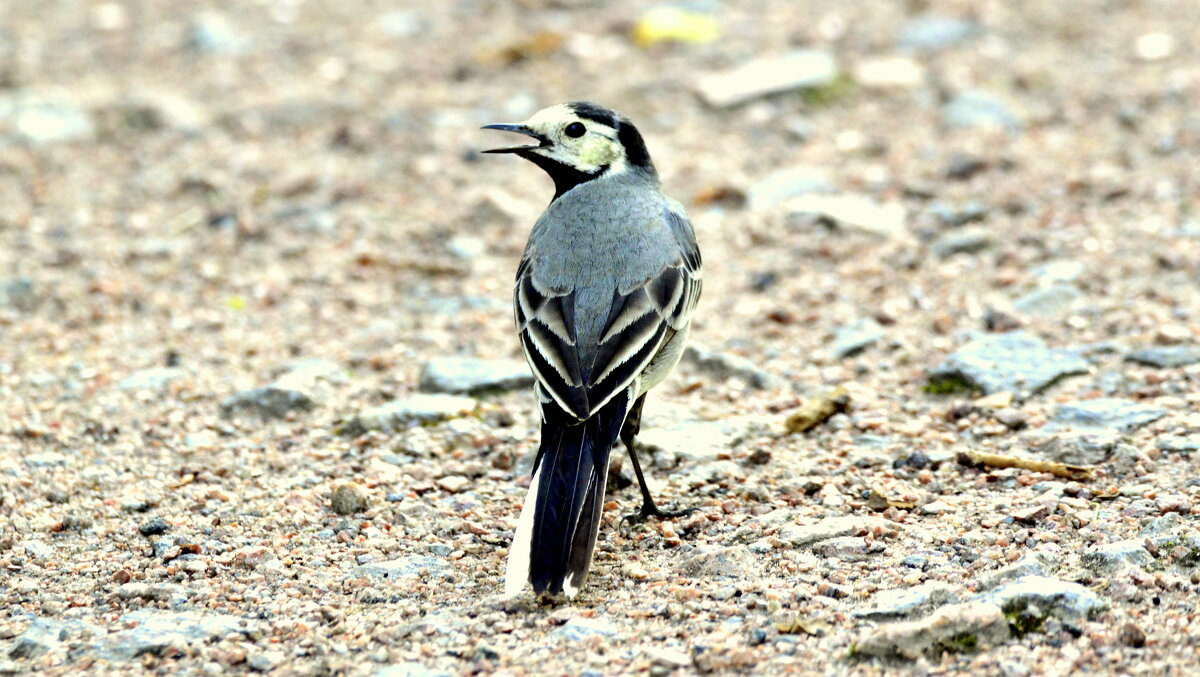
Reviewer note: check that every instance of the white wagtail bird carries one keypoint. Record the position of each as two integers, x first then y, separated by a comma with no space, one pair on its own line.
604,296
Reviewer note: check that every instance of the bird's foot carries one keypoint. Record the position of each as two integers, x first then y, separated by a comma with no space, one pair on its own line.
649,510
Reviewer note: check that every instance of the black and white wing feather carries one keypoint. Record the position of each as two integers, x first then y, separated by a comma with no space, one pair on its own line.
640,320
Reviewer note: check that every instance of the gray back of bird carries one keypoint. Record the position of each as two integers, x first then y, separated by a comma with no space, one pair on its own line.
604,236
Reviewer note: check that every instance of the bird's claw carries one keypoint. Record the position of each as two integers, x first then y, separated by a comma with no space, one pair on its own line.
650,510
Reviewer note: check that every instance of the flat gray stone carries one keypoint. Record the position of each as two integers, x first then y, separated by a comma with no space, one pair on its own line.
1079,448
854,338
1062,271
1113,557
909,602
1184,444
46,459
852,213
47,634
1045,597
715,471
731,562
849,548
1030,564
703,441
38,550
1103,414
958,214
965,627
1166,357
405,567
42,119
466,247
801,69
473,376
267,402
155,631
1016,361
723,366
783,184
159,592
154,378
19,293
1051,301
265,661
1167,525
301,388
931,33
214,34
1170,530
421,409
312,369
401,23
975,109
964,241
41,637
800,535
580,628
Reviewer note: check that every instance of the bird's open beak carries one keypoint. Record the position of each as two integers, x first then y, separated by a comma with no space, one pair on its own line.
519,129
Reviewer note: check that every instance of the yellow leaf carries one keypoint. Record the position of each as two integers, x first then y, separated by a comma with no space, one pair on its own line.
236,302
674,24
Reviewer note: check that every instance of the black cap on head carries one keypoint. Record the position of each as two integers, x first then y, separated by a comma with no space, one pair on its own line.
635,148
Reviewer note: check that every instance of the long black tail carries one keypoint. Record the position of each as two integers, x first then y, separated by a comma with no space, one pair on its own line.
571,472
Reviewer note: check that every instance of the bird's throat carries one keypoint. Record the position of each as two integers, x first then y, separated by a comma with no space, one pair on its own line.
565,176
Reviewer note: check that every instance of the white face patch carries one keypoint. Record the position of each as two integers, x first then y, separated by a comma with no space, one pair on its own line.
596,149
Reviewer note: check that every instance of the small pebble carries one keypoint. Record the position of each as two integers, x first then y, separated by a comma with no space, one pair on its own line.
453,483
1132,636
348,499
155,526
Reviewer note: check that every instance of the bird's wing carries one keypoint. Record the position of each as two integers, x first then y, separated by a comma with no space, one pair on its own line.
546,323
581,379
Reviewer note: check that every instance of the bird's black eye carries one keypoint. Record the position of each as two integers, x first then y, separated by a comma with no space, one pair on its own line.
575,130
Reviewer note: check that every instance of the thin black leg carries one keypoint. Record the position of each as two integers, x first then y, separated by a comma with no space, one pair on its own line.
633,425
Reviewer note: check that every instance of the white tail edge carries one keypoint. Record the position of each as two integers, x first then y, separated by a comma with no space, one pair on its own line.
516,574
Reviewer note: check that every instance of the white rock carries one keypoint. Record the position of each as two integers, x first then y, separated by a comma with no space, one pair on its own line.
38,550
785,183
735,561
706,441
935,508
46,459
854,213
405,567
583,628
665,656
797,70
46,117
1154,46
155,378
799,535
896,71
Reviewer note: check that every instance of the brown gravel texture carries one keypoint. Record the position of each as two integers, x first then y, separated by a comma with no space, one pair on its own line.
201,199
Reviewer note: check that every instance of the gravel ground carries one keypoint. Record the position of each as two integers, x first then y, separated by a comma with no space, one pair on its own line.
249,254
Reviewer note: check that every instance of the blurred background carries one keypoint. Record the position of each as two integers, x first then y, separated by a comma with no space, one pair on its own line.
229,231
